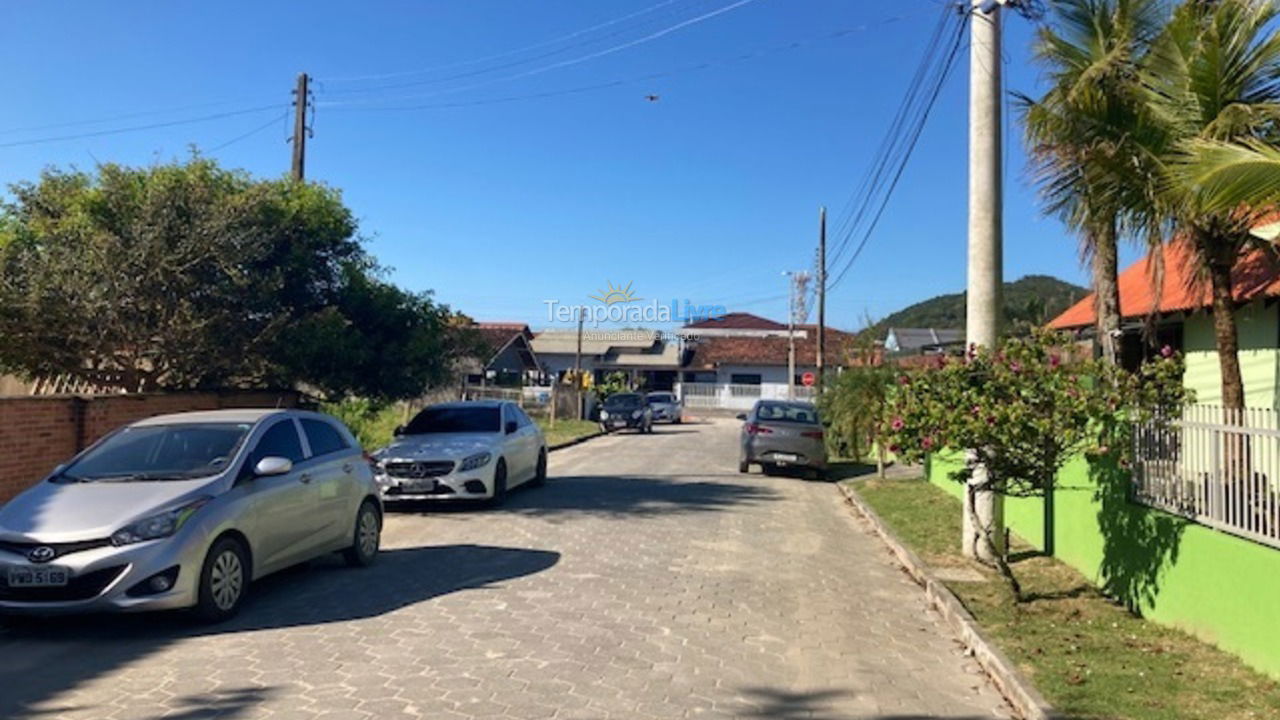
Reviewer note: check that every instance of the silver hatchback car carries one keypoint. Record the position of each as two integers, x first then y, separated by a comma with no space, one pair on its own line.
779,434
184,511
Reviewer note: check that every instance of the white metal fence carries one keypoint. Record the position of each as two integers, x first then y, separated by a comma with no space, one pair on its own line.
1220,468
730,396
477,392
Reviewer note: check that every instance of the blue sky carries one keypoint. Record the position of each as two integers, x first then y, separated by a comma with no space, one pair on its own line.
708,194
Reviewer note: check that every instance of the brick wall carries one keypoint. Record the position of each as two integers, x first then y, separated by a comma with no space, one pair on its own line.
38,433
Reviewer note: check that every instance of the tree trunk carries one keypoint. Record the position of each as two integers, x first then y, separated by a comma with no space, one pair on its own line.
983,522
1224,329
1106,290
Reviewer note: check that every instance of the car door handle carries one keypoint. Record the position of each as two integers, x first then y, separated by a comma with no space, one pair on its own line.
304,478
347,468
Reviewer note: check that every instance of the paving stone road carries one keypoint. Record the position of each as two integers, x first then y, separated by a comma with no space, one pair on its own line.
647,579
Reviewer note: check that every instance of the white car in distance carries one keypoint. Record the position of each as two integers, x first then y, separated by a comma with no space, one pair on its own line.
475,450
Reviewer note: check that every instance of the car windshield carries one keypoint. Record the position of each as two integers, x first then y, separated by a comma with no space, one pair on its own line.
661,398
160,452
623,401
788,413
455,420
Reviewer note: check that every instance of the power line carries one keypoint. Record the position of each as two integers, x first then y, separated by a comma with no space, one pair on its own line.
890,142
899,163
584,58
125,116
138,128
364,105
250,133
499,56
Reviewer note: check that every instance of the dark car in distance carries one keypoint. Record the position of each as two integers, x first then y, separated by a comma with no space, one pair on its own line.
626,410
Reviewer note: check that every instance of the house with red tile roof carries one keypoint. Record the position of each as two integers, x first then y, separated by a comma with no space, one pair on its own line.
1178,306
740,358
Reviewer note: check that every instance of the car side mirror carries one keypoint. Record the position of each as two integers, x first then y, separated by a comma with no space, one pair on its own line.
742,416
511,426
398,431
269,466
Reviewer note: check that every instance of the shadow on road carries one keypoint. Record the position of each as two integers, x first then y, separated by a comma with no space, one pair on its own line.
615,495
781,704
42,657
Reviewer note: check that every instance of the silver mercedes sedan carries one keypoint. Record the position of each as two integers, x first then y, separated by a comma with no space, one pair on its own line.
184,511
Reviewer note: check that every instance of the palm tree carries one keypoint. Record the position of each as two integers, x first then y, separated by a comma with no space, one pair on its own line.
1231,175
1212,77
1080,132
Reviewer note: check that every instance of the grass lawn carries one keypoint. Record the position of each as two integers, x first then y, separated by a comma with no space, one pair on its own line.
1088,656
566,430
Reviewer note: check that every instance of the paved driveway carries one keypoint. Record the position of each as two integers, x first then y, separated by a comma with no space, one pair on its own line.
647,579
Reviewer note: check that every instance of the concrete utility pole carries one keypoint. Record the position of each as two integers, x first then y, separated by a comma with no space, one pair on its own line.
985,509
301,101
822,297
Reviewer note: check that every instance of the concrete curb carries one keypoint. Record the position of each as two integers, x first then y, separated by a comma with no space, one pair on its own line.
1021,694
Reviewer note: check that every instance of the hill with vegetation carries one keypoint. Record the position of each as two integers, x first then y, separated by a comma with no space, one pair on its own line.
1030,301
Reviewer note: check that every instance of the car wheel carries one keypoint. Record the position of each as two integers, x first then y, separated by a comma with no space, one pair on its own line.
678,420
499,483
744,466
367,537
540,474
224,580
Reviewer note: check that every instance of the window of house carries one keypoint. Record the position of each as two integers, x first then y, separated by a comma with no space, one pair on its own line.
745,378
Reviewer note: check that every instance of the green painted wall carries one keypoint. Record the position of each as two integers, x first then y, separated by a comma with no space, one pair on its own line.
1223,589
1259,329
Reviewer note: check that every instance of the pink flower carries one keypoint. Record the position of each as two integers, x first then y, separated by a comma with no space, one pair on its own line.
904,380
1054,361
973,351
1014,366
897,423
894,448
976,410
1166,351
942,361
927,442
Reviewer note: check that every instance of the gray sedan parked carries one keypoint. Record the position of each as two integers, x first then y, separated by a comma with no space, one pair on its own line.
779,434
185,511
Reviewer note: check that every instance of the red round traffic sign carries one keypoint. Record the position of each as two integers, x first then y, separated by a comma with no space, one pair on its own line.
808,379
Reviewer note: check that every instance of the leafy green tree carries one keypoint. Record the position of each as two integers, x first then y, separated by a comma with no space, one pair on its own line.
188,275
1080,133
1023,411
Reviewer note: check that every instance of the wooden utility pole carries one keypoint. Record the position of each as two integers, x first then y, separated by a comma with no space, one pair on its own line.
301,102
791,337
577,367
984,509
822,297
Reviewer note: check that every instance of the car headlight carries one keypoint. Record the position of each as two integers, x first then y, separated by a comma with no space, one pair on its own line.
478,460
160,525
604,414
636,415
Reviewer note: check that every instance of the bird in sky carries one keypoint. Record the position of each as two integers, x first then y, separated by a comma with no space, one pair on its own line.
651,98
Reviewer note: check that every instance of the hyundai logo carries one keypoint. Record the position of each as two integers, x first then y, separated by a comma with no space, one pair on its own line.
42,554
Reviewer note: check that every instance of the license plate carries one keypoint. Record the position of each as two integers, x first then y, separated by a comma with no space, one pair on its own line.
38,577
785,457
418,486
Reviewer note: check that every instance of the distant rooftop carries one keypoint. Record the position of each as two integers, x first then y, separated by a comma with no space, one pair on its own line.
906,340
